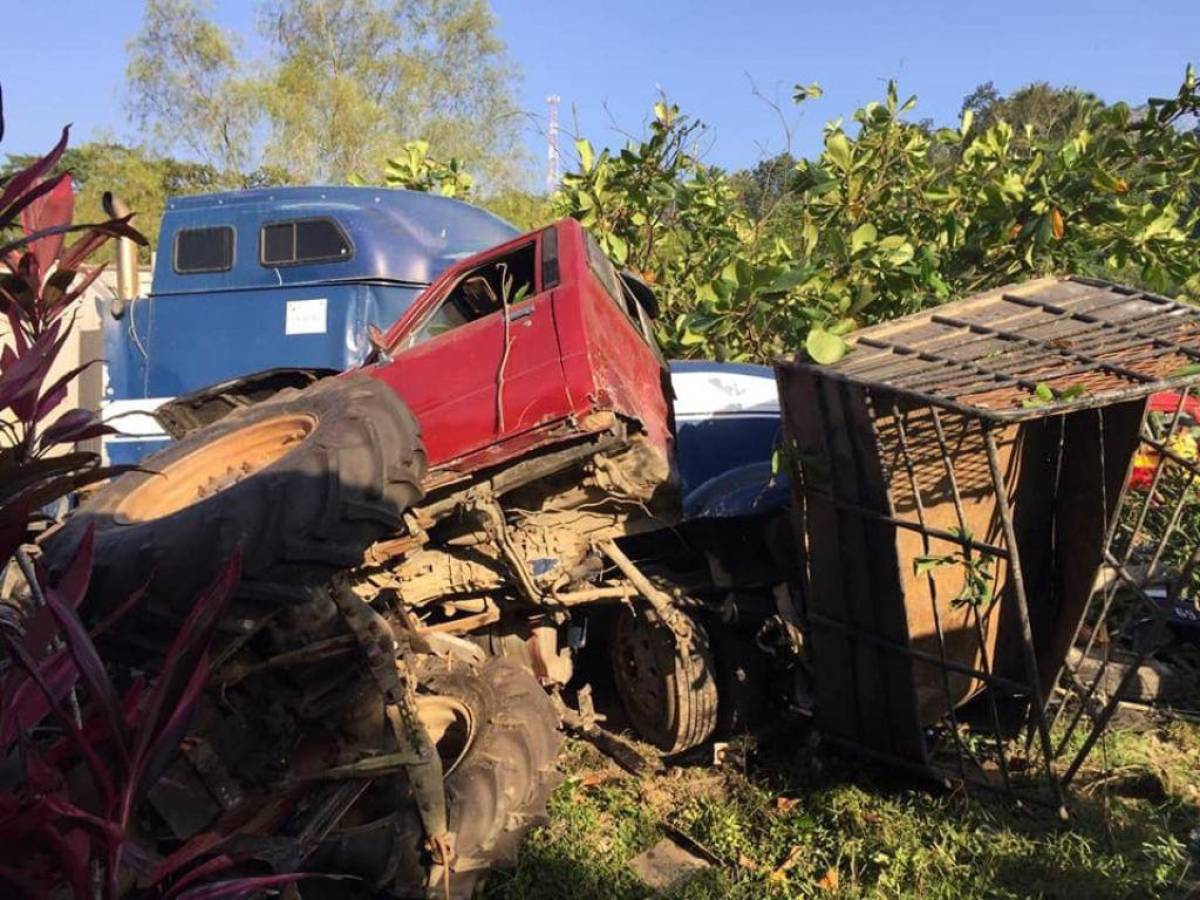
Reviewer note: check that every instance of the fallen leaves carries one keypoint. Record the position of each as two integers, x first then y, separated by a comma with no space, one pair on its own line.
779,873
829,881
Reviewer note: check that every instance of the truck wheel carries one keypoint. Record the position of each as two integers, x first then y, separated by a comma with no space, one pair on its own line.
667,684
302,483
500,773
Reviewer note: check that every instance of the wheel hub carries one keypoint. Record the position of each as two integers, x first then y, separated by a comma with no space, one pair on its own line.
215,467
641,679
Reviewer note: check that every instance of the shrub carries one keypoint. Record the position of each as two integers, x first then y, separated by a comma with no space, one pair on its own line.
891,216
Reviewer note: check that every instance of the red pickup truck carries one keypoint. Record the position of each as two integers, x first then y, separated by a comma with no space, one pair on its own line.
535,353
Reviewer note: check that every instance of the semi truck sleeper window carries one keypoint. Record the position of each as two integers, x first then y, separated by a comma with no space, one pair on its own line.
303,241
204,249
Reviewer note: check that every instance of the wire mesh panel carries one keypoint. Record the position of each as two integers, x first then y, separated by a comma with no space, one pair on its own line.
994,502
1150,570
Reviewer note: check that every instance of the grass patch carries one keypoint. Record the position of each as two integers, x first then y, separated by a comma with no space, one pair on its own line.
792,827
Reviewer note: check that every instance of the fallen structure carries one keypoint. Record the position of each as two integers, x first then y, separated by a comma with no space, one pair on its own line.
962,484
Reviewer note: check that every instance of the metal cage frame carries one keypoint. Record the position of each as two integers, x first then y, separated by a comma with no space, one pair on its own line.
1041,390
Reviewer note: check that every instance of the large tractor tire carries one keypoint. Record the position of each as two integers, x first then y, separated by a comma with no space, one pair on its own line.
301,484
499,776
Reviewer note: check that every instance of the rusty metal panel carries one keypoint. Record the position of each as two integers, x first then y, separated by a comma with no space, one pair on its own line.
853,579
1090,343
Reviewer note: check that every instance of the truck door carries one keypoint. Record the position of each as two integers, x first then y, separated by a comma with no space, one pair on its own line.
480,364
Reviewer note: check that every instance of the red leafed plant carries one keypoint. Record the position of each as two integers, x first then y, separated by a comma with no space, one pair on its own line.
124,742
77,756
40,278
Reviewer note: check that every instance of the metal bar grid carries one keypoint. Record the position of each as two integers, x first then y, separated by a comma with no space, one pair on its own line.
1136,632
967,767
907,525
1119,328
1026,319
1139,391
1041,718
1067,350
1034,365
963,749
942,364
936,368
990,678
859,724
1037,706
947,366
956,496
1108,596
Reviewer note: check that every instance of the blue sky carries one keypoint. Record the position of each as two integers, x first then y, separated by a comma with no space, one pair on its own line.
608,59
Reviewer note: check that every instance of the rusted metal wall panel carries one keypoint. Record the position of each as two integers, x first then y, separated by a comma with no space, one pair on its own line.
853,583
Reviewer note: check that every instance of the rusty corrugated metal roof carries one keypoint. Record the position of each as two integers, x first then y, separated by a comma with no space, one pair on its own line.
1028,350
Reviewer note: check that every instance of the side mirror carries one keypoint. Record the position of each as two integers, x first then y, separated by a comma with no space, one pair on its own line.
642,293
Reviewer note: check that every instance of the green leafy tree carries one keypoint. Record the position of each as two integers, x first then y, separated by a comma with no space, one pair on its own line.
767,185
416,170
189,89
355,77
341,84
524,209
1053,113
893,215
656,208
141,178
900,231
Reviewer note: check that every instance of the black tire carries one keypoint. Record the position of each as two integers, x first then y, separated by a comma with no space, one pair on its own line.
302,517
667,684
497,792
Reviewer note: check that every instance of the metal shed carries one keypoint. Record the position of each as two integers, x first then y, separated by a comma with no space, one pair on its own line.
960,480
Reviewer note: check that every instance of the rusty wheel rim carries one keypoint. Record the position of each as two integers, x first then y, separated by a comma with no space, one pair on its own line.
215,467
450,725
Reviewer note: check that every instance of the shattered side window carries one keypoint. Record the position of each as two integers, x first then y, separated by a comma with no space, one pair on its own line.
481,292
607,274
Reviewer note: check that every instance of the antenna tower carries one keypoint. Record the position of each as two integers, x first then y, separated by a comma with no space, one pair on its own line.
552,145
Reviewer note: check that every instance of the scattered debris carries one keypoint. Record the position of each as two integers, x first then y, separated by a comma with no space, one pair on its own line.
597,778
667,865
1152,682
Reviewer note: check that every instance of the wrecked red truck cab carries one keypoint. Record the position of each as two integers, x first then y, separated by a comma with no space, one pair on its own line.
546,344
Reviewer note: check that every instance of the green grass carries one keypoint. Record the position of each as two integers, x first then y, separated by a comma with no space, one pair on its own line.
844,829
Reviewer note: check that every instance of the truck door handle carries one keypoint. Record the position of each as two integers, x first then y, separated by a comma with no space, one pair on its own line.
523,313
